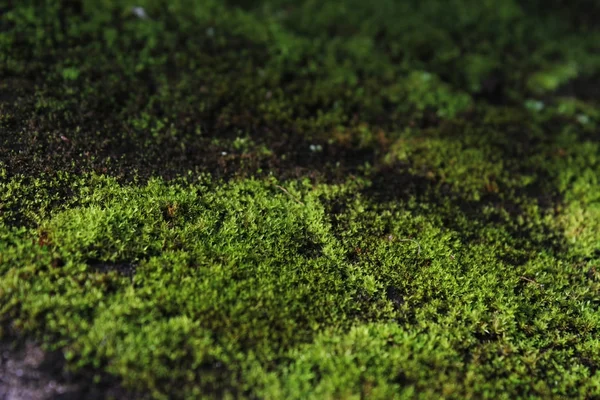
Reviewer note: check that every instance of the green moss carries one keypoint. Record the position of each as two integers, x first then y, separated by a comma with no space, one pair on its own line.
381,361
256,269
240,245
422,92
310,200
469,169
550,80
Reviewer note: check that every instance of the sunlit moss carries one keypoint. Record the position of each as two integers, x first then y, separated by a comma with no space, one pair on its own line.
311,200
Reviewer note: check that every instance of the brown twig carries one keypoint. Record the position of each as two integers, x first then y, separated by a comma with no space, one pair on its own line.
531,281
289,194
414,241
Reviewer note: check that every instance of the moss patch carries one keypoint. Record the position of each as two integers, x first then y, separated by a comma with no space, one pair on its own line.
260,199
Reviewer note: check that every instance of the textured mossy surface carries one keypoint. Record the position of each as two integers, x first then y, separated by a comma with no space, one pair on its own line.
276,199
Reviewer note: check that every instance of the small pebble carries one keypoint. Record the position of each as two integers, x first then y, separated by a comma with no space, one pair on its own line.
534,105
139,12
583,119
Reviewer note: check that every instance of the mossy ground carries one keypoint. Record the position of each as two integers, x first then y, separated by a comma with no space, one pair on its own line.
272,199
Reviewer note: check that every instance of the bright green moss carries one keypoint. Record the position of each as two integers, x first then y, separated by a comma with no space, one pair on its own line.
547,81
261,199
381,361
253,269
250,265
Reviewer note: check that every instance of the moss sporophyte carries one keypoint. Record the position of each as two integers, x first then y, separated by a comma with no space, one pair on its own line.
260,199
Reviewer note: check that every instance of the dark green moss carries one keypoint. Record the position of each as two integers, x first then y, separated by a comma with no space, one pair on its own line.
267,199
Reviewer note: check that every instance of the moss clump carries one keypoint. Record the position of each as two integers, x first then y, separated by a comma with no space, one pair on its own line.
232,281
260,199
